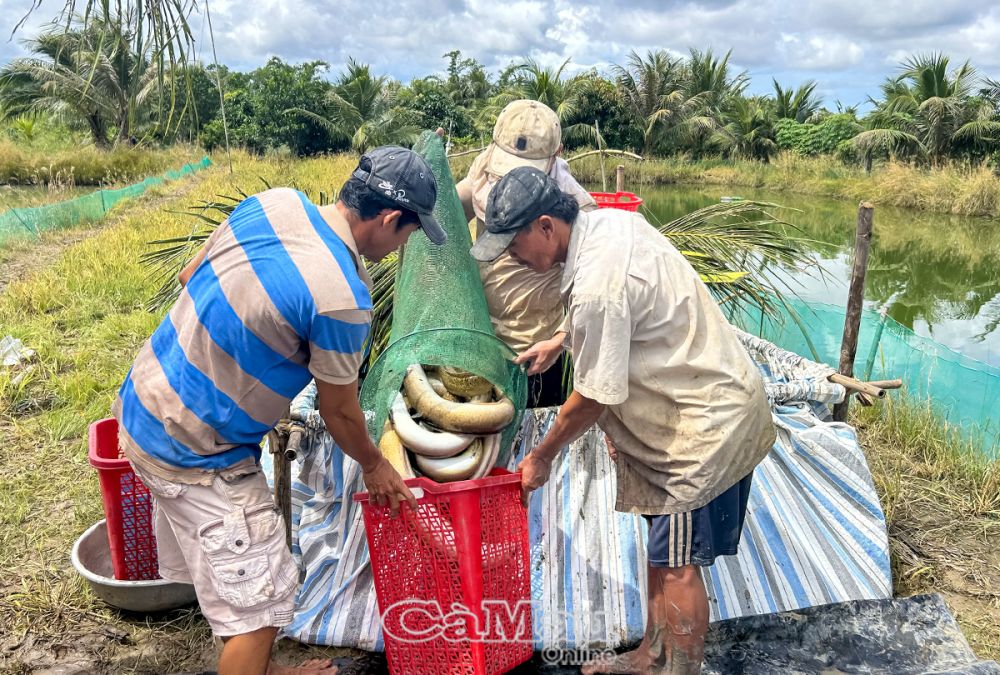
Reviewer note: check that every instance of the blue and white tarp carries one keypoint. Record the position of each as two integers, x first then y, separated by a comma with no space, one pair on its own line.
815,532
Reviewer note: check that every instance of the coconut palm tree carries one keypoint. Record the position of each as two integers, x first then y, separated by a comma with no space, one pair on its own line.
928,109
87,73
707,88
934,98
711,77
649,85
748,130
548,85
364,110
887,134
991,91
531,80
799,104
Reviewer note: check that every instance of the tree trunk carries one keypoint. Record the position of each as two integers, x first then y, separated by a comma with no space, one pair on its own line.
98,131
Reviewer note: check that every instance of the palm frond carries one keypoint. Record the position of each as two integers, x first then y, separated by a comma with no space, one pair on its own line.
730,245
979,131
169,256
332,128
885,140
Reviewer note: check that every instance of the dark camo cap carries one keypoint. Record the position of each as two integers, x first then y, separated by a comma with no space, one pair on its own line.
514,202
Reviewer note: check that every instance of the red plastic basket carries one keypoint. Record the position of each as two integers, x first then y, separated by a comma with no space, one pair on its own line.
626,201
128,506
453,579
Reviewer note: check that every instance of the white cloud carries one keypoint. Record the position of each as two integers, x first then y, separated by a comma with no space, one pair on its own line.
819,52
847,46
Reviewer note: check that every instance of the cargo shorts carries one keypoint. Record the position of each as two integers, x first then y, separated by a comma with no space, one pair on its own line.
228,540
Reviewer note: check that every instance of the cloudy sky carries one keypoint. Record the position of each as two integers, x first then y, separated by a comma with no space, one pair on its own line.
847,46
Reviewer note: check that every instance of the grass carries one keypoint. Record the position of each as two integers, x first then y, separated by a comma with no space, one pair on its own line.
22,164
84,315
951,189
941,498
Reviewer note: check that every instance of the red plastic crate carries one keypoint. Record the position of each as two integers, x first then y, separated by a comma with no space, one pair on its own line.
626,201
128,506
453,578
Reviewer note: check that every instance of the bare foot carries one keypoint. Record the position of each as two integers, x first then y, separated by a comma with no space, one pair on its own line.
635,662
310,667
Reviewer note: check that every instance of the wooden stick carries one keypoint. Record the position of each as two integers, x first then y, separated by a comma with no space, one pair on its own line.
605,151
852,384
467,152
886,384
620,178
282,481
604,178
865,400
855,301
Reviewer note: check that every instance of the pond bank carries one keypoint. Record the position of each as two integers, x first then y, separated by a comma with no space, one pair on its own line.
951,189
941,499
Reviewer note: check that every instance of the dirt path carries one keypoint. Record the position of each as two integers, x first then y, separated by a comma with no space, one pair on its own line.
960,560
25,258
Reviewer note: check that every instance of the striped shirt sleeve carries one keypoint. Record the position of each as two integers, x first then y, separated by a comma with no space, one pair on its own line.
336,344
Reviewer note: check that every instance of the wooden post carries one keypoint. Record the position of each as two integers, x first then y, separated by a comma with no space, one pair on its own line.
620,178
855,301
604,177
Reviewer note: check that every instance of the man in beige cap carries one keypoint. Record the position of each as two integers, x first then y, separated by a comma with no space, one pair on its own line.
524,305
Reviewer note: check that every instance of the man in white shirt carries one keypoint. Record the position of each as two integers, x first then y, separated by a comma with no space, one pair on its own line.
658,368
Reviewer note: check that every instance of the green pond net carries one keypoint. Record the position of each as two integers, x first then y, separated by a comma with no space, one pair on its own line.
38,219
964,391
439,315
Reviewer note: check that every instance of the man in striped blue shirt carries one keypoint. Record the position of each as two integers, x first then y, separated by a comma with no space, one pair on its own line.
277,296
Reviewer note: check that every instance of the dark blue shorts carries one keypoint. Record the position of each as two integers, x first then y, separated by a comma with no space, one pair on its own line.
698,537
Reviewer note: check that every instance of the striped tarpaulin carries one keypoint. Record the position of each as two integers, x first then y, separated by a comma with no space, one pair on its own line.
815,534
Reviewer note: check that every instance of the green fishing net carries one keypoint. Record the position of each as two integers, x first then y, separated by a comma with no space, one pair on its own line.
439,315
964,391
35,220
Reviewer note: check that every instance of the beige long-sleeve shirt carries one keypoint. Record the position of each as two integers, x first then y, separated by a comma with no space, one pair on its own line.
524,305
686,405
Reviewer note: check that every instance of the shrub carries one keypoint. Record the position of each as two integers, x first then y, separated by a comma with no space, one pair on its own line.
823,138
87,165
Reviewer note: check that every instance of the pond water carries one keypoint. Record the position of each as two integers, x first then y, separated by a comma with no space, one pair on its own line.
936,274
